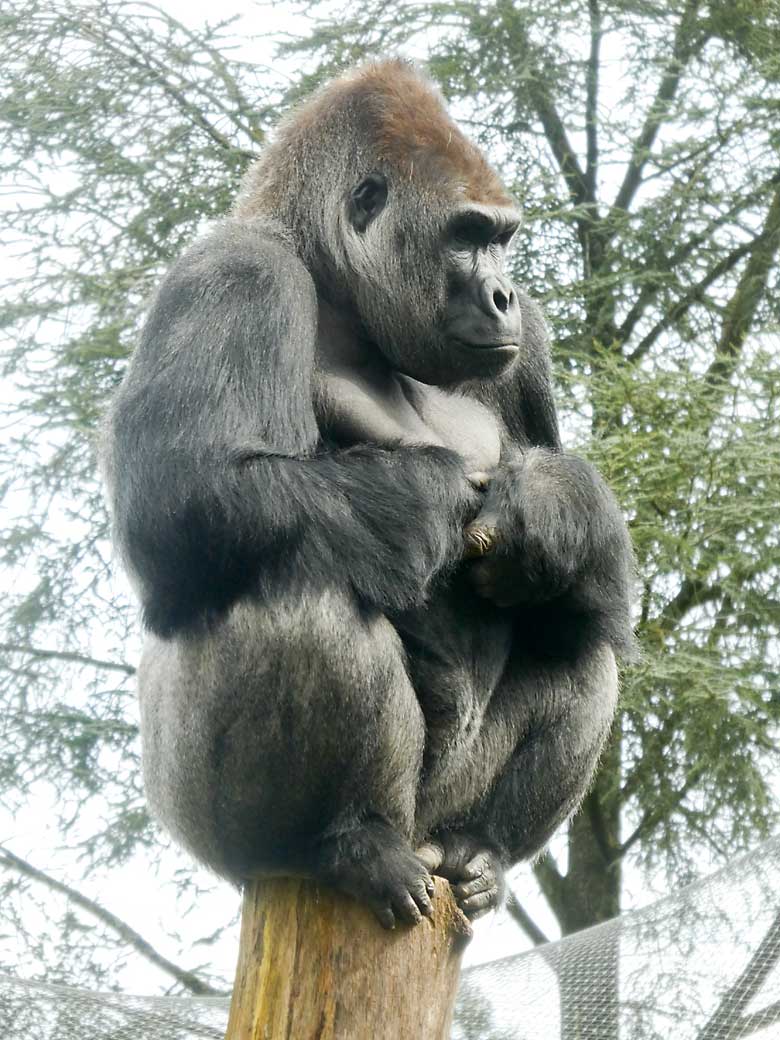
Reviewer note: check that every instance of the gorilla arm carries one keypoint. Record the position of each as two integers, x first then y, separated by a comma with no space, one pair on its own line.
551,548
219,484
550,533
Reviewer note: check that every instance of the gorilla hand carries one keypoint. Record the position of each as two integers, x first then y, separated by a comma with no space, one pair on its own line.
548,527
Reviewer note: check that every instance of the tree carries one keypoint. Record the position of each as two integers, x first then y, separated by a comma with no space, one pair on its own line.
642,141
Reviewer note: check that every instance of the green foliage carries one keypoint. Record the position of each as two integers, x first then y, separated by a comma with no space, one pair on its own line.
642,140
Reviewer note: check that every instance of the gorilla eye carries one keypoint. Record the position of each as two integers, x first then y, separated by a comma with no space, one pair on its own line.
505,237
479,230
473,230
367,200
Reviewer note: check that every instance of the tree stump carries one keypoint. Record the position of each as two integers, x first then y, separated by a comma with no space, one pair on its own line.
315,965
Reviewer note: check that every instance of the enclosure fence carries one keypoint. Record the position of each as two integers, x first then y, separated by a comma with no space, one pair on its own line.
701,964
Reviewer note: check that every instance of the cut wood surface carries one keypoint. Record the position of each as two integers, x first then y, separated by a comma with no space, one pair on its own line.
315,965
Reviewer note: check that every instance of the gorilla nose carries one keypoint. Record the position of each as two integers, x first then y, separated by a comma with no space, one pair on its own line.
502,299
498,300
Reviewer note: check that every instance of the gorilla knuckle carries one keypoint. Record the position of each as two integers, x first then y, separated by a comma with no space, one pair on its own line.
480,538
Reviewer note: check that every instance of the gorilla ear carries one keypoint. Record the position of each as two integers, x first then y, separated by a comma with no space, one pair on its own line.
367,200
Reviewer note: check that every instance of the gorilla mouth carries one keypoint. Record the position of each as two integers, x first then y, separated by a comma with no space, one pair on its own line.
509,347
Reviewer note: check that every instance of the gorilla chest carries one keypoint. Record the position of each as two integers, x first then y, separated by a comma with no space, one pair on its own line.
462,424
365,408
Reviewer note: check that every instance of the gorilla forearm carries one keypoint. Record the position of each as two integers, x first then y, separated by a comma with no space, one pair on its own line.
383,522
552,533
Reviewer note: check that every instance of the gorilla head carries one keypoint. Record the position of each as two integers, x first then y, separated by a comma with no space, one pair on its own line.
399,219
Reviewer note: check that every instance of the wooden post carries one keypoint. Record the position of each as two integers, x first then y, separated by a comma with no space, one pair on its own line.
315,965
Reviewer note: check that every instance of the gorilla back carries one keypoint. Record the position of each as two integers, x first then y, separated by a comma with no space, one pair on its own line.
383,604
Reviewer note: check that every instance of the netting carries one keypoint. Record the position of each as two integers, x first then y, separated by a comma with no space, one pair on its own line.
37,1011
699,965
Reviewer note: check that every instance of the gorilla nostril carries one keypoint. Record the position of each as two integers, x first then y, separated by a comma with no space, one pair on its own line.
501,300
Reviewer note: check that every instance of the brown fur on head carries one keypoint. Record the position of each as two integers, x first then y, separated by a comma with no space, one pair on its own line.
411,127
401,117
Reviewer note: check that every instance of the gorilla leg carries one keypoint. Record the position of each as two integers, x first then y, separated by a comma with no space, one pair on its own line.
547,776
538,743
289,739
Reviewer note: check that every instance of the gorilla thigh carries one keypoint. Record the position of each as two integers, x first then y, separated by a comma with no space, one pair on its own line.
277,737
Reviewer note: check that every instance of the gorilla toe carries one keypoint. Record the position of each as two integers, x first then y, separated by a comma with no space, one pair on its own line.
483,885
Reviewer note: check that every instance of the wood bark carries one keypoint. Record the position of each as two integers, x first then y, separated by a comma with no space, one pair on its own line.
316,965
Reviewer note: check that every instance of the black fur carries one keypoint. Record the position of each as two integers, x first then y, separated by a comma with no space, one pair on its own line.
293,458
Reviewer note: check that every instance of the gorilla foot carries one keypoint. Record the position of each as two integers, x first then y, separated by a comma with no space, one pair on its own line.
473,870
372,863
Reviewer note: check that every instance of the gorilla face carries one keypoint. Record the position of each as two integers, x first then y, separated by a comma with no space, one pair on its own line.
482,318
430,284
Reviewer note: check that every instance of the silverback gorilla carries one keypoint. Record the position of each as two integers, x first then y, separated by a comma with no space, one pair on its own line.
383,605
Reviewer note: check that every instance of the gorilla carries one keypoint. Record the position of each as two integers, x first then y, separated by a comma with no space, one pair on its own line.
383,606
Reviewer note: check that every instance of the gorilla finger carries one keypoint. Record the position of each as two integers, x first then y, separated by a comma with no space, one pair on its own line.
431,855
479,539
424,904
457,851
481,864
384,915
466,889
405,907
421,894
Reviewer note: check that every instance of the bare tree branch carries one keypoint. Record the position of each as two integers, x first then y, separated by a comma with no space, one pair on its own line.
551,882
741,308
127,934
591,99
593,808
692,592
561,146
728,1019
637,776
67,655
651,819
686,45
651,288
143,62
525,921
694,295
240,105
